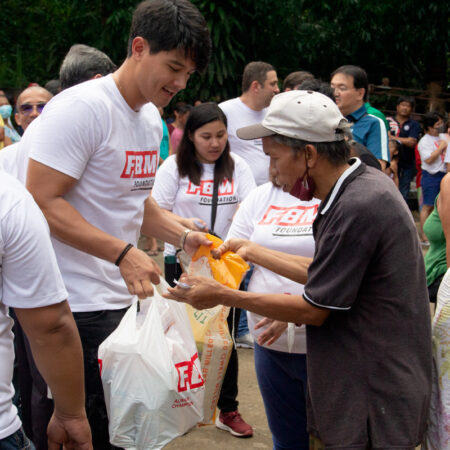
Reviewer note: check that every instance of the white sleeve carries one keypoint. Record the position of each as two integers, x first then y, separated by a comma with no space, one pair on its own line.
68,134
30,274
244,221
166,184
8,159
425,148
246,180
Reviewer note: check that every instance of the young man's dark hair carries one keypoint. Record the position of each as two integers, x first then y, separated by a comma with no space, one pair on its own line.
294,79
172,24
407,99
429,119
255,71
83,63
359,75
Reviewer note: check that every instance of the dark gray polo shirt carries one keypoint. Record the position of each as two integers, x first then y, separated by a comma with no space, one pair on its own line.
369,364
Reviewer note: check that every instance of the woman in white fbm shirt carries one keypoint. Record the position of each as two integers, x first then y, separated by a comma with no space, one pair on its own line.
184,185
279,221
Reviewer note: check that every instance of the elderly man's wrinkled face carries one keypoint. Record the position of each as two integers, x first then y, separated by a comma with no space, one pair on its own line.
30,104
285,165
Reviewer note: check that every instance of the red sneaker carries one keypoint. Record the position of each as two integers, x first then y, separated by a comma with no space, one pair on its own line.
234,423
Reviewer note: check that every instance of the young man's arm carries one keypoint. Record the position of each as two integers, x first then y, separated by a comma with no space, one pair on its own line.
48,187
169,227
57,351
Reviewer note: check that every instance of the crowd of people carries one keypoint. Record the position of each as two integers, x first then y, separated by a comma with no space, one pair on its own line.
311,186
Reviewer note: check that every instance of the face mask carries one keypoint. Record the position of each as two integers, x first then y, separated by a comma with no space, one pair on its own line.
5,111
304,187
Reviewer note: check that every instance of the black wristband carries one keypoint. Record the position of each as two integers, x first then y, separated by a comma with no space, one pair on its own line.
122,255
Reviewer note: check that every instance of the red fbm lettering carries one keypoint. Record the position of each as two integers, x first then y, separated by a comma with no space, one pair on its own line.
100,366
206,188
189,374
140,164
289,215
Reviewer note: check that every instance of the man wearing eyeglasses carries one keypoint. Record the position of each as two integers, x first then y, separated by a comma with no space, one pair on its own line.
30,104
350,85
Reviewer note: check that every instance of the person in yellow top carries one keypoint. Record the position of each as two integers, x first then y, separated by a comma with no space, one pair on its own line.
4,140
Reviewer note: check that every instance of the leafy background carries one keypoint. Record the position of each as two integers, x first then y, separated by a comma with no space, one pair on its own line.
405,41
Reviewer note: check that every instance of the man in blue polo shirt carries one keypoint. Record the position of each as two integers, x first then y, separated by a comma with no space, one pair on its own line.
350,86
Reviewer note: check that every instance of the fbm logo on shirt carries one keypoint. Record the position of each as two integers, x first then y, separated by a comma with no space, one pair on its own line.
225,193
290,220
140,164
206,188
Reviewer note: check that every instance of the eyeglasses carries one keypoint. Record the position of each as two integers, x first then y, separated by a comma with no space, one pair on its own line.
341,88
27,108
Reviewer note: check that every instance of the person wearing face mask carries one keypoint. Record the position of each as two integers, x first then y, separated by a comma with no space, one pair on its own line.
365,302
184,185
10,135
432,151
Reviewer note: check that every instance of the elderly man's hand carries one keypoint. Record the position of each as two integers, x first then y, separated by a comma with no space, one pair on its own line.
203,293
240,246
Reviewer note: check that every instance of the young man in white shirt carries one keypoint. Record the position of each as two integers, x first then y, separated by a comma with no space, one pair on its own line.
30,282
93,177
259,85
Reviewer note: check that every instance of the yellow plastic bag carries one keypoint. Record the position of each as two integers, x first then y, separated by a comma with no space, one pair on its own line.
209,326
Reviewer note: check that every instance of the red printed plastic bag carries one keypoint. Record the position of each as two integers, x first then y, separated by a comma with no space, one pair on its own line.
151,375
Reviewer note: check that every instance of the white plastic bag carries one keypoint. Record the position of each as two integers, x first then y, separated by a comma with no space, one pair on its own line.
151,375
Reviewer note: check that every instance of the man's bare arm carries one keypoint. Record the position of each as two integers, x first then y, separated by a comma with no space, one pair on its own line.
169,227
56,348
48,187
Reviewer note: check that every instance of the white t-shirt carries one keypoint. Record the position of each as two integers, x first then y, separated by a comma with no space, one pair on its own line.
29,278
427,145
240,115
186,199
14,158
443,137
8,158
91,134
278,221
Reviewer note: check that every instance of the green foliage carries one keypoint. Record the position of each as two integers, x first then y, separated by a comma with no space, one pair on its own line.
406,41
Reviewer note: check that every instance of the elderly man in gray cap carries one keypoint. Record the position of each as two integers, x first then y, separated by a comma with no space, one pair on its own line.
365,302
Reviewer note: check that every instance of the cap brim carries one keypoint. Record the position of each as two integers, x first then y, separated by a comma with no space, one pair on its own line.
254,132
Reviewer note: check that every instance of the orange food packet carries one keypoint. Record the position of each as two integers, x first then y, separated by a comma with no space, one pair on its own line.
229,270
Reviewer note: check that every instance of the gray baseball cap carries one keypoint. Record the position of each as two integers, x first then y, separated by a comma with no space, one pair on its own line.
306,115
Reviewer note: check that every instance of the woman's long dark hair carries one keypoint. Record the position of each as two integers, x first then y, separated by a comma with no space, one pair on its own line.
188,164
